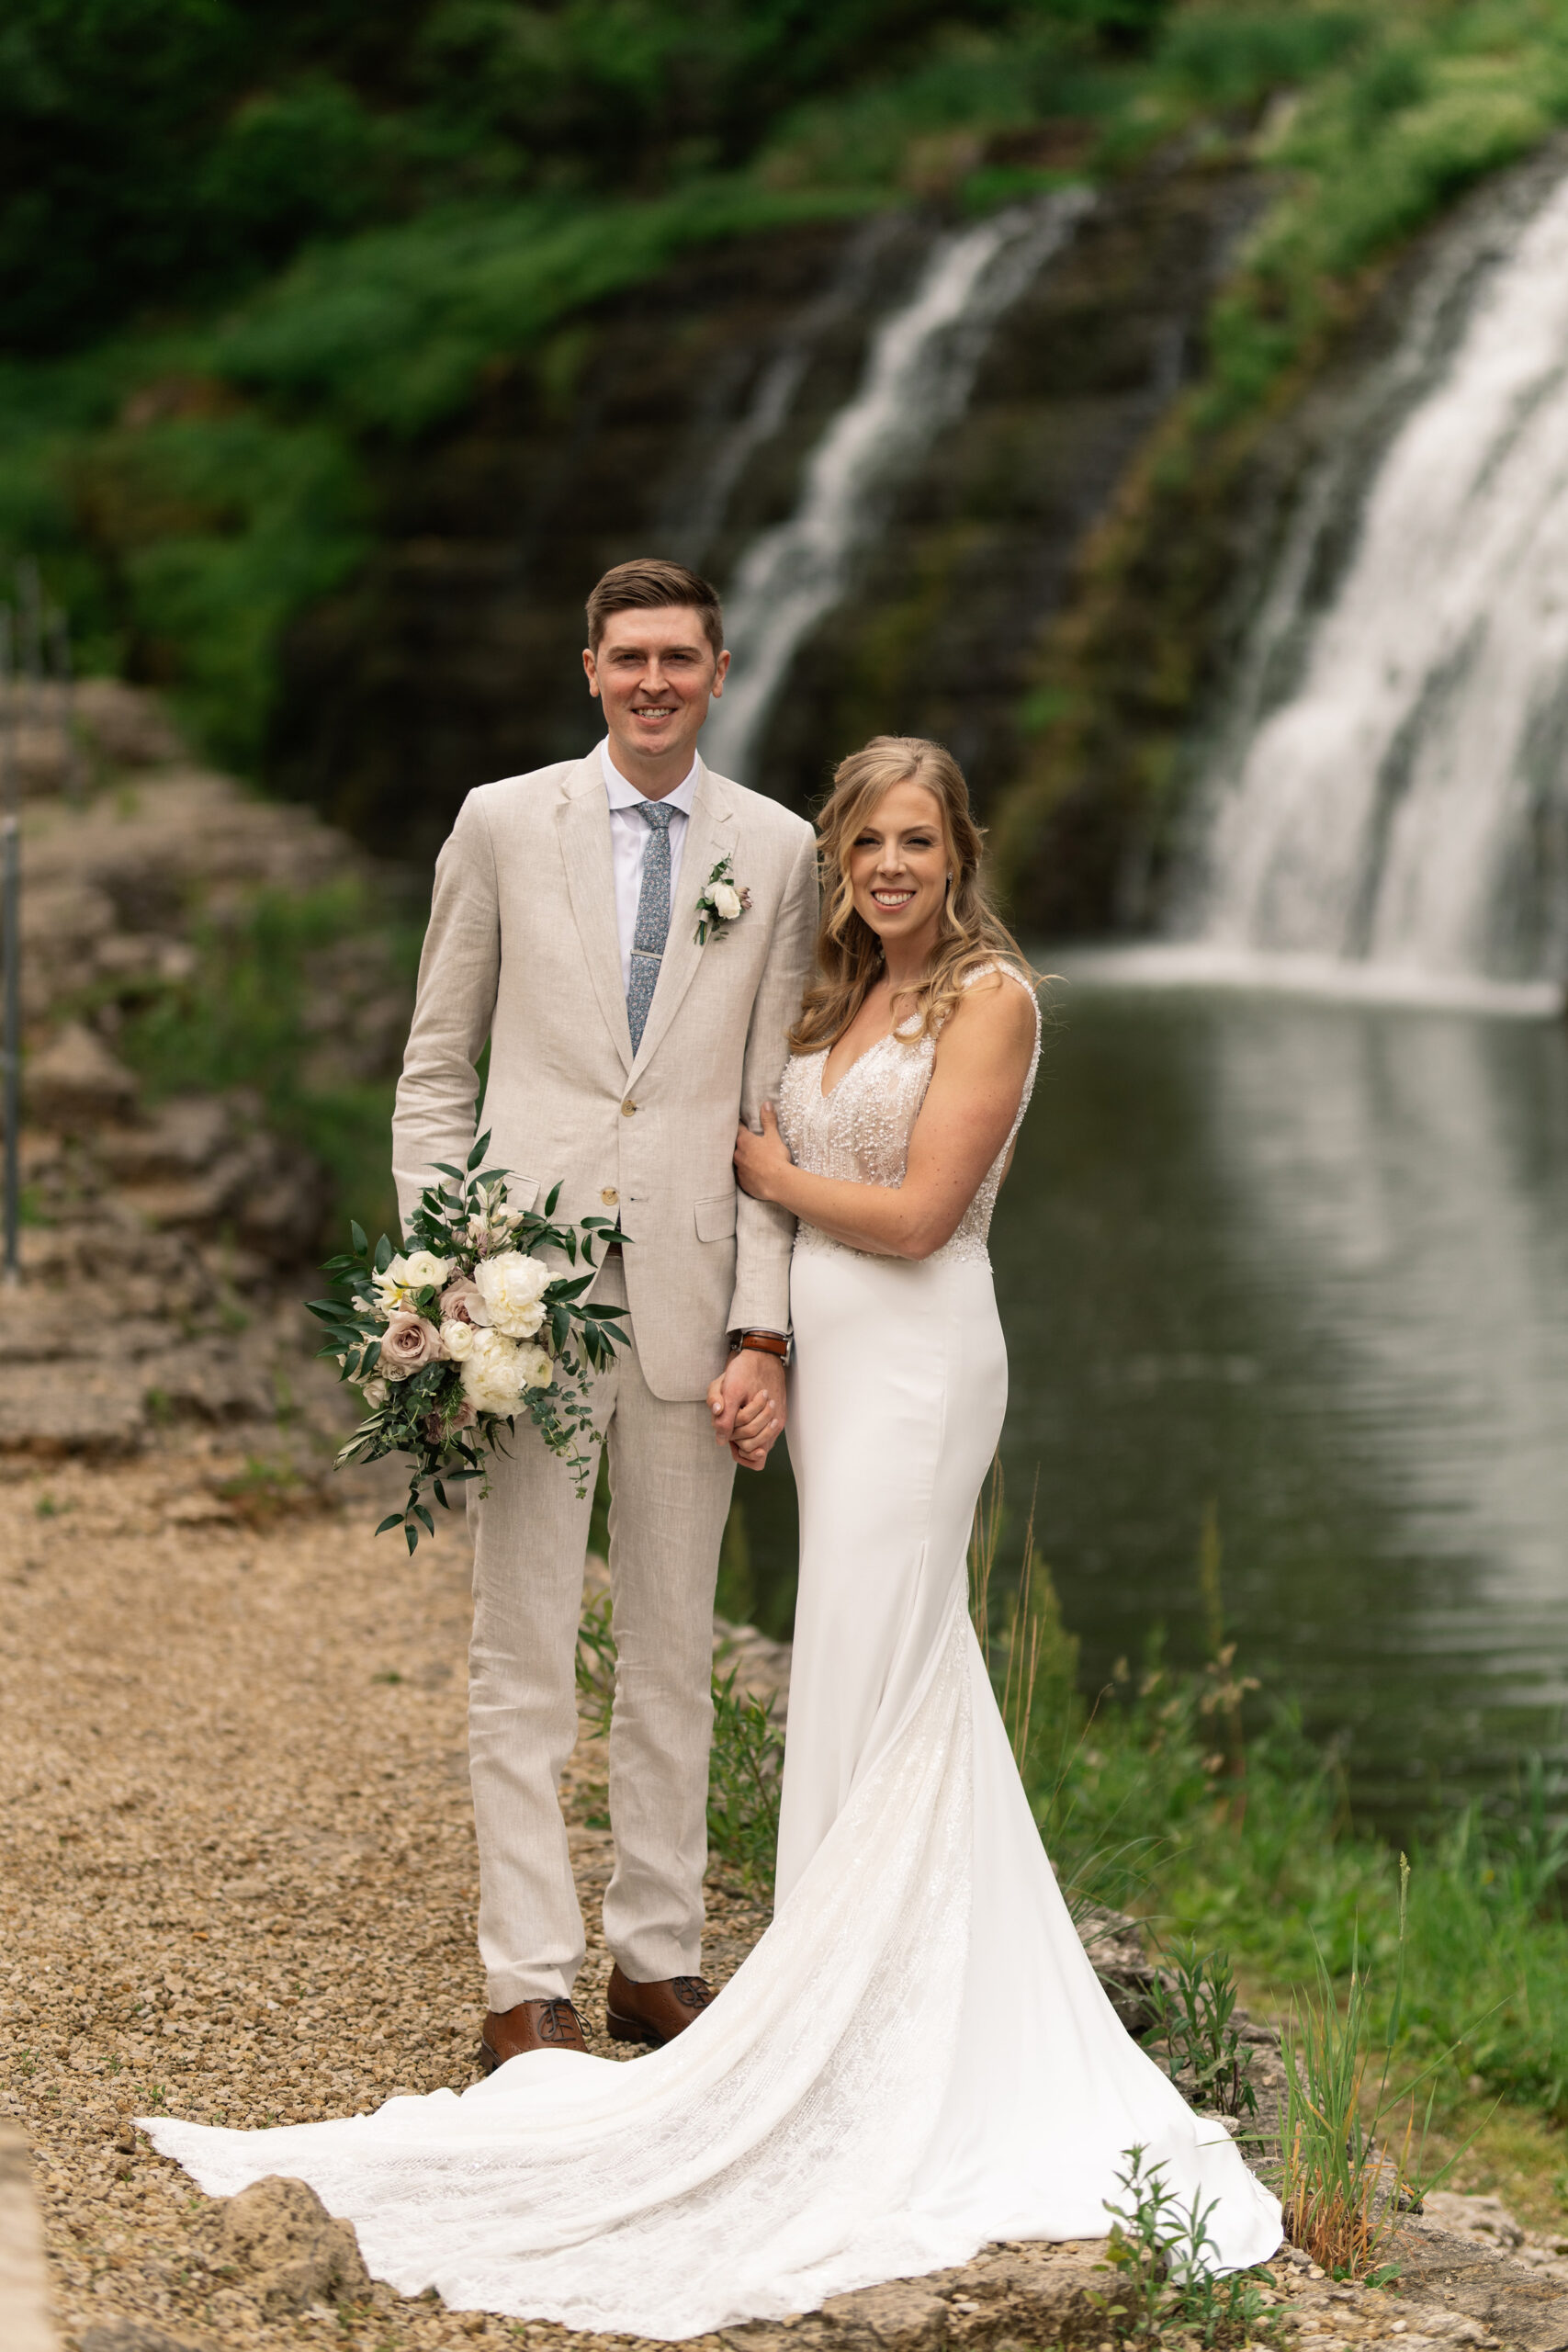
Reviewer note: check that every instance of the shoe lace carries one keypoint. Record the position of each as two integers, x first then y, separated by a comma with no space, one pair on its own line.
558,2022
691,1992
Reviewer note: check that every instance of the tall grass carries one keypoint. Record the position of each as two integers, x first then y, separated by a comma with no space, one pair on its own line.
1244,1841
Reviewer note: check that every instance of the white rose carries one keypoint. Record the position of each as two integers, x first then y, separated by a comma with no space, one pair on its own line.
493,1376
727,900
421,1270
458,1337
536,1369
376,1392
512,1287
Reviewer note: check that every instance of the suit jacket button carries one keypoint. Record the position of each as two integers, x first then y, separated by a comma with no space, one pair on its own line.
609,1196
627,1108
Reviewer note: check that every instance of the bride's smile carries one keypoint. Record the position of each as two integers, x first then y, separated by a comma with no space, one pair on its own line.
898,867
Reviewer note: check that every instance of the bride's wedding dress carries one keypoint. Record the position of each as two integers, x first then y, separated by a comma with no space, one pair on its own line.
917,2057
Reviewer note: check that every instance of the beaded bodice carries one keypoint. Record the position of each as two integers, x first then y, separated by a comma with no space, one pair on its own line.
860,1133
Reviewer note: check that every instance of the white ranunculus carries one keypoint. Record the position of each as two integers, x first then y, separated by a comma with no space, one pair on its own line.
421,1270
512,1287
535,1367
492,1374
458,1337
727,900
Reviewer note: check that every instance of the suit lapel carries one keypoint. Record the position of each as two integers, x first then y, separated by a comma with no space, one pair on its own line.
710,835
584,823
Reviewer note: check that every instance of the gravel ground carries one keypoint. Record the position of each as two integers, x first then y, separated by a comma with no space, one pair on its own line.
238,1865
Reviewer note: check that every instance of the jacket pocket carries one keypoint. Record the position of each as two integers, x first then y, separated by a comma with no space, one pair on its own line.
716,1217
522,1192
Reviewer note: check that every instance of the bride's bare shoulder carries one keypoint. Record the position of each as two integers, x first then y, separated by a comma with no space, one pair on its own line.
997,1016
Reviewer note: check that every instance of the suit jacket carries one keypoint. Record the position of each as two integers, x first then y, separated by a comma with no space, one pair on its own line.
522,950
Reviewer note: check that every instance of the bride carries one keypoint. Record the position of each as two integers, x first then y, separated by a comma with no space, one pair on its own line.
917,2058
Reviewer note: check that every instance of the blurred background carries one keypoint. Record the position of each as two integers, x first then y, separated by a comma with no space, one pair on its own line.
1162,404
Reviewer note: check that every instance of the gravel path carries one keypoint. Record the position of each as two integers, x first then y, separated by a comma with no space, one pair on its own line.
237,1877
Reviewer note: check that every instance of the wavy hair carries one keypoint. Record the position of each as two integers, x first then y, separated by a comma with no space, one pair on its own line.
849,953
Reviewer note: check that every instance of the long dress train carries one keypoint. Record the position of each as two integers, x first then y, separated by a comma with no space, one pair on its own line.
917,2057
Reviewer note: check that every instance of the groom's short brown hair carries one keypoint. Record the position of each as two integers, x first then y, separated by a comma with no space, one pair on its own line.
649,581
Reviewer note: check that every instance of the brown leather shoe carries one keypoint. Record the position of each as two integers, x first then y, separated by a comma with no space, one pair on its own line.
654,2013
532,2025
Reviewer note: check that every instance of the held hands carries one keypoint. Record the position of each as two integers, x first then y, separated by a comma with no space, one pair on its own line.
760,1160
747,1402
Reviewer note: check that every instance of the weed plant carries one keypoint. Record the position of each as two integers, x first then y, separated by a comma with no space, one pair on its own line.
1162,2254
1193,1997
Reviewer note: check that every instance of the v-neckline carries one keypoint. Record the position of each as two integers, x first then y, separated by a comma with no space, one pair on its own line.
827,1092
886,1038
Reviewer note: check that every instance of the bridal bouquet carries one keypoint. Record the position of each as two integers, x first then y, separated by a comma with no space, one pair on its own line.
449,1341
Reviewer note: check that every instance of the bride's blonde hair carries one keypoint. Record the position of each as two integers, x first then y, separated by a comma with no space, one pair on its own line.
848,954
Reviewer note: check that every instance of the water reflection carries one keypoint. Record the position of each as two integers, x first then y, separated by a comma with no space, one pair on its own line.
1309,1261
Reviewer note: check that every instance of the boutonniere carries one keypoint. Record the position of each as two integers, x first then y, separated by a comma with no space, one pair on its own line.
724,901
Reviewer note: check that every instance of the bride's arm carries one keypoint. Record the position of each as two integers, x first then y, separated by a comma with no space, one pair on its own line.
982,1062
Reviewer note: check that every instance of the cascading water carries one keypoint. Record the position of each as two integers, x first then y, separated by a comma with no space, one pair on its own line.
1401,811
917,378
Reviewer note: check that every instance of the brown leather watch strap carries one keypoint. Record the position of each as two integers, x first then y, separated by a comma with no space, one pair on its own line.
764,1343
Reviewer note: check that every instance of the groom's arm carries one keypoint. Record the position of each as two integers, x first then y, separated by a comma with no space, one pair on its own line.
764,1234
459,971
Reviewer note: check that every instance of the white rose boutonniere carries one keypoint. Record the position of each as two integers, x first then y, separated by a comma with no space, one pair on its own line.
723,902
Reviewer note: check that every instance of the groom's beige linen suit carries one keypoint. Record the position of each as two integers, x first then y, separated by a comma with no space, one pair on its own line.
522,950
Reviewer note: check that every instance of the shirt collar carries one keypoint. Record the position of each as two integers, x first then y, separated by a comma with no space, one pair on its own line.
626,795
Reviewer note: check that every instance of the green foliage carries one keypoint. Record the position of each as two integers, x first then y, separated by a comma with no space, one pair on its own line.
275,237
1424,100
745,1775
1161,2253
224,526
1193,1997
243,1020
1140,1812
1234,57
166,151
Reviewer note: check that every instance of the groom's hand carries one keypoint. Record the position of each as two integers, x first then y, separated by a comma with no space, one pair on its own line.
747,1402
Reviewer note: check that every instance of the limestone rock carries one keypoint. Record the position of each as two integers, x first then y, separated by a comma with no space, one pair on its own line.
905,2315
54,1408
180,1139
280,2233
127,727
1475,2279
1115,1947
76,1085
1486,2217
127,2335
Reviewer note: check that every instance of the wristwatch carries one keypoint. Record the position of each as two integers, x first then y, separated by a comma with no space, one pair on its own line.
762,1344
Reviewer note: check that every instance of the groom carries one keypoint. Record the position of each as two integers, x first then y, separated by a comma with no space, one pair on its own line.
623,1054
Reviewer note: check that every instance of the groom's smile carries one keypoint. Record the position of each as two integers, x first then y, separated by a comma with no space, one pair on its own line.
655,671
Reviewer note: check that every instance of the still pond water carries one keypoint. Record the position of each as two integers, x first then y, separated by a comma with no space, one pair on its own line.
1308,1262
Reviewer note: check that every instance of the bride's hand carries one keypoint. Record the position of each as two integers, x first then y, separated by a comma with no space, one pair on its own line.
760,1160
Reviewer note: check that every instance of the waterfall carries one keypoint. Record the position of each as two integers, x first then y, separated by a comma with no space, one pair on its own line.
1389,812
917,379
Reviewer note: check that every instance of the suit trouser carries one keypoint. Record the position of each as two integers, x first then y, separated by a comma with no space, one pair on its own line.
670,1487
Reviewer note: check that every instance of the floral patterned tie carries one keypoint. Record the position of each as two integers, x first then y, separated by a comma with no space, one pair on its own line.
653,917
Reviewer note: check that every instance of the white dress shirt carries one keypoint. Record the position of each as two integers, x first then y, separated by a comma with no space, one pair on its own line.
628,844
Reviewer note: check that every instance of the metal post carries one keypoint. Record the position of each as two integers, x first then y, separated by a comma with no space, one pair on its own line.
10,952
